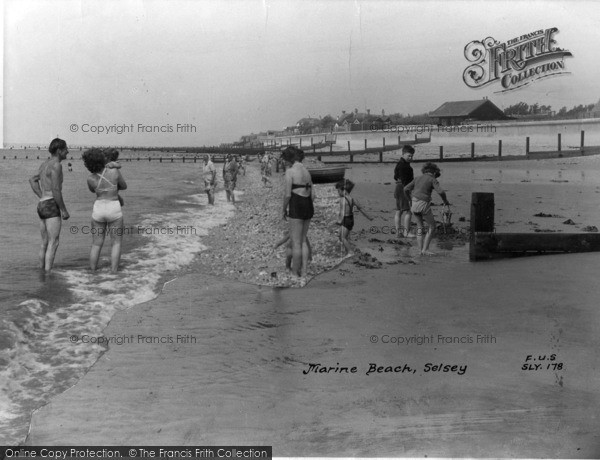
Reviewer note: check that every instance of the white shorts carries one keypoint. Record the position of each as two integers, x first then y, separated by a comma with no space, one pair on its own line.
420,207
106,211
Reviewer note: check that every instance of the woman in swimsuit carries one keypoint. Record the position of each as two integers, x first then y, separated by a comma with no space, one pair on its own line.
106,215
298,206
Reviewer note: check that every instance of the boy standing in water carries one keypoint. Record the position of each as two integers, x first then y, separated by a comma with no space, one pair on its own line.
47,185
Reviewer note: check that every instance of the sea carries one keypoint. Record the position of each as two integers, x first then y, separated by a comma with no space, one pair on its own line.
50,323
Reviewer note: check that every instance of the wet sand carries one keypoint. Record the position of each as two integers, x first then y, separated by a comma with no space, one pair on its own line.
242,380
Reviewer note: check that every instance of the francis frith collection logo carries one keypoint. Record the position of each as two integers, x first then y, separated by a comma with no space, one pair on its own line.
516,62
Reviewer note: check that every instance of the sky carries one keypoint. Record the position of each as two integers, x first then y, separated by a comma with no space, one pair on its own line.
222,69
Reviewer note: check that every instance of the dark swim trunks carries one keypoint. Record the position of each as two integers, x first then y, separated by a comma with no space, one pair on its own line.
48,209
348,222
301,207
402,203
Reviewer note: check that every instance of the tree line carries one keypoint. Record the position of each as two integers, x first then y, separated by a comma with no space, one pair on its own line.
522,109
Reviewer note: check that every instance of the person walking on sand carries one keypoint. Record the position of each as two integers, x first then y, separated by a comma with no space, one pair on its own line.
47,185
419,191
230,171
346,214
209,174
107,216
403,175
298,206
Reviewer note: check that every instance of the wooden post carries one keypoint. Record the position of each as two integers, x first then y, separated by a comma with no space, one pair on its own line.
300,142
441,153
527,146
381,157
311,141
472,149
330,148
559,146
482,212
399,141
499,149
582,138
384,143
482,219
365,144
351,156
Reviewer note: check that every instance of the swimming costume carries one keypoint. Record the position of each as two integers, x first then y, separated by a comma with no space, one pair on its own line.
348,222
111,186
106,211
48,209
301,207
306,186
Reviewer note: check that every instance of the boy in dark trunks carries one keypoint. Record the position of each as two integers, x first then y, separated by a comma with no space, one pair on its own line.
403,175
346,214
47,185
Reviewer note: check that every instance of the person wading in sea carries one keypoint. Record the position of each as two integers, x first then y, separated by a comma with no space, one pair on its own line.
47,185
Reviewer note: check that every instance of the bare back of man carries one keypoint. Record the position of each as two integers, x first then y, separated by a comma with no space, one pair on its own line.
47,185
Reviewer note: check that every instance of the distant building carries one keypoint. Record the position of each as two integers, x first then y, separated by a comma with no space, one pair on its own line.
454,113
354,121
308,125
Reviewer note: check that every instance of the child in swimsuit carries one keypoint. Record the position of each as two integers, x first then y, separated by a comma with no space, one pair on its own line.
346,214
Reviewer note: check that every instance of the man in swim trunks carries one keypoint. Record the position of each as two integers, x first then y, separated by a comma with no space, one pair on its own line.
403,175
47,185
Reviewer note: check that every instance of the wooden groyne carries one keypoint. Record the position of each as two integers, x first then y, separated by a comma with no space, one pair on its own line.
473,156
486,244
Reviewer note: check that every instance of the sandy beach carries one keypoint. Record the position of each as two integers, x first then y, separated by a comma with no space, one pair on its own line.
441,346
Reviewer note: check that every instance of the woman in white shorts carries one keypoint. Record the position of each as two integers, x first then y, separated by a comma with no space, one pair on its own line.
107,216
